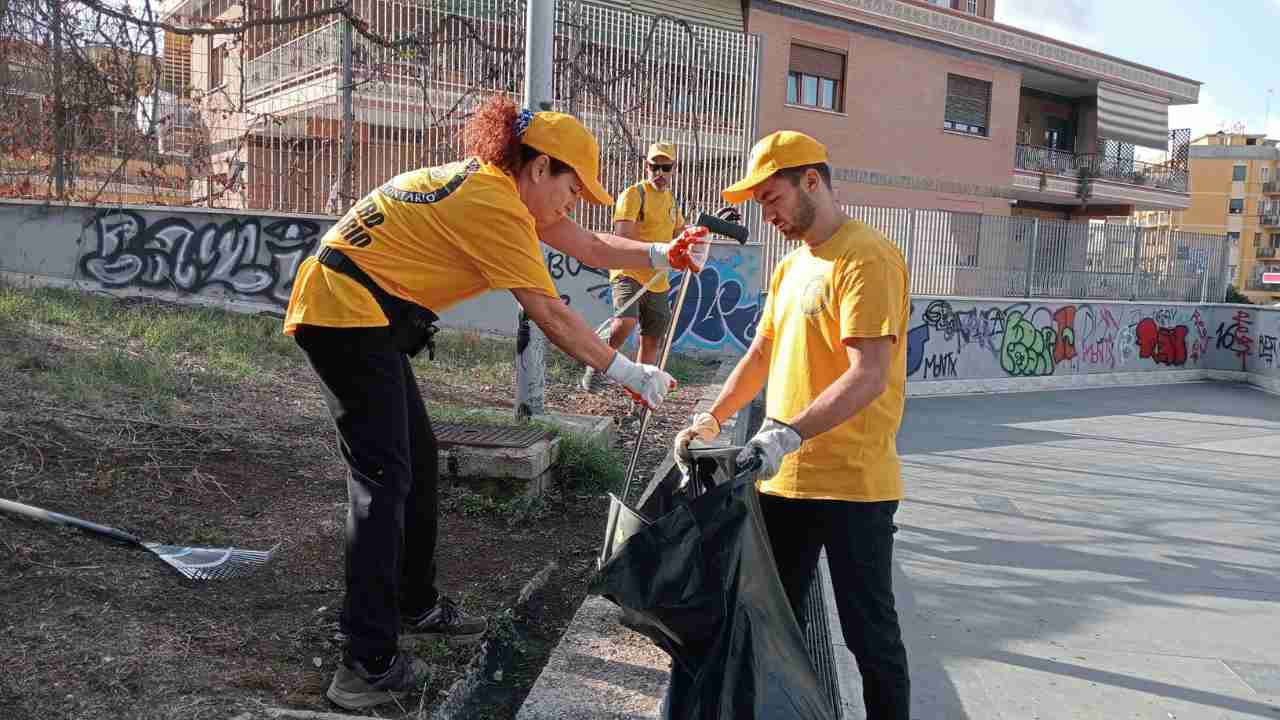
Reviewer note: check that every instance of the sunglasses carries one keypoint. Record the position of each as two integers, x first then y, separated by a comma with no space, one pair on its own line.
664,167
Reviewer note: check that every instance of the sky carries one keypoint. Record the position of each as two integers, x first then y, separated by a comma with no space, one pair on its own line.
1233,48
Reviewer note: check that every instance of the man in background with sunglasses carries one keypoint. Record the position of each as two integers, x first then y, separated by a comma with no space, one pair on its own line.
647,212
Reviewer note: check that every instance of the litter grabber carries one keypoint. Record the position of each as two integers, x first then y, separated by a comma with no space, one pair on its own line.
717,226
195,563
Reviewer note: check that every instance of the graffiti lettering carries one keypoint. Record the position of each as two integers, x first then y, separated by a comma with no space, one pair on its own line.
1267,349
1235,337
916,339
1065,348
941,365
1200,344
982,328
174,254
560,265
714,310
1026,350
1164,345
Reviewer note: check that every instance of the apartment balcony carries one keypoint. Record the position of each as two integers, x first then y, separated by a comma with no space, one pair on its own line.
1264,253
1269,216
1271,187
1051,175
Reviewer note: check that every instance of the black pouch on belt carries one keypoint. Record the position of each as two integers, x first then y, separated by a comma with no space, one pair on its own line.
412,326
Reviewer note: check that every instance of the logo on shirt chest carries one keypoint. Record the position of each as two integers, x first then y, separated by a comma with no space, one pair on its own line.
813,299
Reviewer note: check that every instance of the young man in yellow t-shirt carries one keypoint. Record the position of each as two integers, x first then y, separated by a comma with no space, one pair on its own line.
646,211
832,345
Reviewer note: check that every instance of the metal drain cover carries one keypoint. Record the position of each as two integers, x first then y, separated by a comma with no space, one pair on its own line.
475,435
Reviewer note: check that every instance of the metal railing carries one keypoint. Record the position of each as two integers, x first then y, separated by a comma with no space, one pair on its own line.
1271,187
1264,252
967,254
1106,167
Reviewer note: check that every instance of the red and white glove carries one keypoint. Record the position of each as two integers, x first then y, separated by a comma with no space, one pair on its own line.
687,252
647,384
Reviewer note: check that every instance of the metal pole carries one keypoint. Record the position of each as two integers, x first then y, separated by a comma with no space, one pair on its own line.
531,344
646,414
59,111
1031,255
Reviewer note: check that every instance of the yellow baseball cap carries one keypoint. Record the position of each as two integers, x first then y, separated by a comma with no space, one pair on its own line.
661,149
562,137
778,151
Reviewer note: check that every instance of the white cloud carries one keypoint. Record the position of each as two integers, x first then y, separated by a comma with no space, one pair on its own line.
1071,21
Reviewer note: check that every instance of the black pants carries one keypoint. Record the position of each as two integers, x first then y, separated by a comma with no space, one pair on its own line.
858,538
385,437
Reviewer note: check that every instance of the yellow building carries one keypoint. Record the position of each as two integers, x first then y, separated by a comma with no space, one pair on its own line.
1235,190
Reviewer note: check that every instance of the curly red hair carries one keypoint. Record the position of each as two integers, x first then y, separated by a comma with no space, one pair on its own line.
490,133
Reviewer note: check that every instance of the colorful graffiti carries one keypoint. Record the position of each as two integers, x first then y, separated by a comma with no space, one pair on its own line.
1164,345
1235,337
717,310
246,255
1026,350
1029,340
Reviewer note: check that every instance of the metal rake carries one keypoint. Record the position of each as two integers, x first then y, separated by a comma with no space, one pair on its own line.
196,563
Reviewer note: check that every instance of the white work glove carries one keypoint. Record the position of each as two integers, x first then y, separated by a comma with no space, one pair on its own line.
772,443
704,427
687,252
647,384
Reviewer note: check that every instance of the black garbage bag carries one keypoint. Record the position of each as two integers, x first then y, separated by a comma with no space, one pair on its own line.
700,581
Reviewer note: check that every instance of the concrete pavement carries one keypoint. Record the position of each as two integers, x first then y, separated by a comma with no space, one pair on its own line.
1082,554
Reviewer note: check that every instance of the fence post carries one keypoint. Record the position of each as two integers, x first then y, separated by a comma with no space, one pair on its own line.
1031,255
910,248
531,344
59,109
1137,257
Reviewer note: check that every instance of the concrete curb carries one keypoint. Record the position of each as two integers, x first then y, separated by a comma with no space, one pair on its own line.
497,648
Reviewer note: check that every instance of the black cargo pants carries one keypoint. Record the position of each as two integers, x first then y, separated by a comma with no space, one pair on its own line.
385,438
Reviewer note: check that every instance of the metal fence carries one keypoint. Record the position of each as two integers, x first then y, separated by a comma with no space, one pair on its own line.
972,255
308,115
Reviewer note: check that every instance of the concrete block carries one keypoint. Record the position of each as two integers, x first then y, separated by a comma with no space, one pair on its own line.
503,470
594,427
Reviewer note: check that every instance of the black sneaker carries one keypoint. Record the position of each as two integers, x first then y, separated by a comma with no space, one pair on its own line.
444,621
353,688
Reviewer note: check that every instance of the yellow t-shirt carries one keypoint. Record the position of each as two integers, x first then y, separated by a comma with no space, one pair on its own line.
854,285
434,236
661,218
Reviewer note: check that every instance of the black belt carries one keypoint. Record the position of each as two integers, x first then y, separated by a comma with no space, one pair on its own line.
412,326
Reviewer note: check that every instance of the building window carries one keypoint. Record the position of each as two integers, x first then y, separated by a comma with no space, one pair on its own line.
816,78
1275,240
1238,173
971,7
968,105
217,58
1236,206
1257,240
1233,238
1266,174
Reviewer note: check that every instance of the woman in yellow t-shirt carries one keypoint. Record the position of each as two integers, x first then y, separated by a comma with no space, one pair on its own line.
419,244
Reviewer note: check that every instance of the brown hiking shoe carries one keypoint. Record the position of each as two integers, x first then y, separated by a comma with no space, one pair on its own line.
443,621
353,688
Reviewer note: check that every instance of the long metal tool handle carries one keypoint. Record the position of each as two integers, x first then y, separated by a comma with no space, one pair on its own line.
646,413
648,287
57,518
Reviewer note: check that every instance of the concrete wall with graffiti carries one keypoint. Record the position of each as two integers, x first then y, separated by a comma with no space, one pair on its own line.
246,262
964,342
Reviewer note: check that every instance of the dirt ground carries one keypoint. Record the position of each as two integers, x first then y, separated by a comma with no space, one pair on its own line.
94,629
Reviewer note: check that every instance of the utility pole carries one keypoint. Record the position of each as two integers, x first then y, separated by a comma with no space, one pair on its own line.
531,344
59,109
